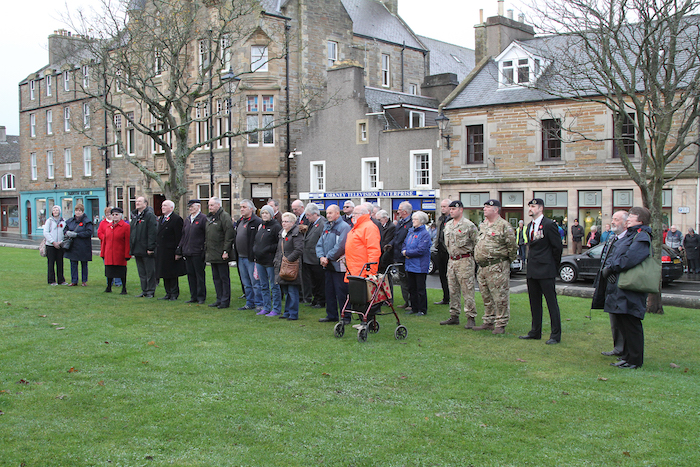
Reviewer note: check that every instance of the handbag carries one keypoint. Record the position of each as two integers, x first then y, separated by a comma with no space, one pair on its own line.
67,243
42,248
644,277
289,270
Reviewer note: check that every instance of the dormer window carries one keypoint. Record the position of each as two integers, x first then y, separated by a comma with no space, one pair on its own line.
518,67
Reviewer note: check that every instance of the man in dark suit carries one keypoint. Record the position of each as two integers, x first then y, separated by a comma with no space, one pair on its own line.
543,259
313,274
168,266
192,249
386,233
441,249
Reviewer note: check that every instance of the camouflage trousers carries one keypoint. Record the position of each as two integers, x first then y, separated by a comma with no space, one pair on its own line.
494,285
460,280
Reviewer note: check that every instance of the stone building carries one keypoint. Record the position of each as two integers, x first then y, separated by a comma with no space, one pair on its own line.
10,173
513,142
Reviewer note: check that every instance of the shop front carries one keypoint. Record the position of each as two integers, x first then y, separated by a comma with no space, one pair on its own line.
37,205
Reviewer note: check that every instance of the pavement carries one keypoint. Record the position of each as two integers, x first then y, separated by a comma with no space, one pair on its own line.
14,240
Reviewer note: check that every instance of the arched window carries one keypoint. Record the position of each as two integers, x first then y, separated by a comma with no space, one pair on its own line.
8,182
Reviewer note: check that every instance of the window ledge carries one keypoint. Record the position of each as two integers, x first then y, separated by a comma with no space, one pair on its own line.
545,163
617,160
480,165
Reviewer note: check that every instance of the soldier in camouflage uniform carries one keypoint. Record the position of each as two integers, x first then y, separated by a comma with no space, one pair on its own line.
494,251
460,238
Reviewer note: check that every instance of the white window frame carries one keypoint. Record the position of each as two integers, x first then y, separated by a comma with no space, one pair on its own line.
332,48
49,122
158,63
117,135
32,163
118,81
119,196
386,70
202,126
66,119
268,131
32,125
414,156
86,77
131,195
87,161
413,89
363,131
66,81
421,117
32,90
200,193
368,183
8,182
50,172
68,163
258,58
203,54
86,115
49,85
226,54
252,122
130,135
314,185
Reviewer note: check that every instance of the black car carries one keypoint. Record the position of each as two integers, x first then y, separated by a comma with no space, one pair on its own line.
515,267
587,264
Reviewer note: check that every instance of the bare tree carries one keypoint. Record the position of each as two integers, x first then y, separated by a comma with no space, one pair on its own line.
641,60
164,67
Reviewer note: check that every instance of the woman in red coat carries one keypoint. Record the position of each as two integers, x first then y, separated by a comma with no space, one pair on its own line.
115,248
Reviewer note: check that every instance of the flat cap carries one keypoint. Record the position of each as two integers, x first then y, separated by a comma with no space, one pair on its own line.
193,201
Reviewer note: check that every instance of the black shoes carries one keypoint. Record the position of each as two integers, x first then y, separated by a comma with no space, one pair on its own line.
167,297
222,306
442,302
552,341
528,336
328,320
611,353
215,305
246,307
191,301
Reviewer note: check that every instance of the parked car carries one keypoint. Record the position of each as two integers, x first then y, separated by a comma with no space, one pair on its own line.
587,264
515,267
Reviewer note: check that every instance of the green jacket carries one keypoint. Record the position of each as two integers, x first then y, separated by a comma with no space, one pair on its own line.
219,237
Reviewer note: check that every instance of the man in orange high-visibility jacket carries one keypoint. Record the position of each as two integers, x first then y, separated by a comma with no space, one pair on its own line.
362,244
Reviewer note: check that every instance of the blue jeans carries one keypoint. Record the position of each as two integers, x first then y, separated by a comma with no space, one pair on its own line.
268,287
291,302
251,287
74,271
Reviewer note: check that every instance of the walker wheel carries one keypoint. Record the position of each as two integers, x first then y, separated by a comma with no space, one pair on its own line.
339,329
373,326
362,334
401,332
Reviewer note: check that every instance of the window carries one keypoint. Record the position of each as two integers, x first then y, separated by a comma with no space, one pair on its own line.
518,67
86,115
627,134
421,169
49,165
332,53
523,71
118,81
86,77
68,163
475,144
66,81
416,119
551,139
508,72
268,103
8,182
258,58
66,119
49,122
158,63
32,125
413,89
362,131
117,135
32,87
130,134
203,193
251,126
155,147
87,161
32,162
225,54
318,176
222,109
203,52
386,74
202,128
225,196
132,197
370,173
119,196
49,85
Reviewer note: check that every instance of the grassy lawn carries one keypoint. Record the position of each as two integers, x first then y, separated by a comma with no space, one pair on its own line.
130,382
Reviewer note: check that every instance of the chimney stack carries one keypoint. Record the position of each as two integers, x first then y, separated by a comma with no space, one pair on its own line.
494,35
3,134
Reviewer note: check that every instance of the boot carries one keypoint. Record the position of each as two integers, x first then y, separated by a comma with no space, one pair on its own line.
470,323
124,292
484,327
109,286
499,330
452,320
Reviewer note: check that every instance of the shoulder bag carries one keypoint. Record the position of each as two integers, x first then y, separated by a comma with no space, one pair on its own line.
289,270
42,248
67,243
644,277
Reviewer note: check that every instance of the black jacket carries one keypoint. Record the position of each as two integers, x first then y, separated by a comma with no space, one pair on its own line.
266,241
81,248
251,224
167,239
193,236
219,237
544,253
311,239
144,232
402,227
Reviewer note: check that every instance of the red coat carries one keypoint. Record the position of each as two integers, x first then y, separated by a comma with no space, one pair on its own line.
362,246
101,235
115,243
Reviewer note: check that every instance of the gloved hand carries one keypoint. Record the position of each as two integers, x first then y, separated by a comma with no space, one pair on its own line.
71,234
606,272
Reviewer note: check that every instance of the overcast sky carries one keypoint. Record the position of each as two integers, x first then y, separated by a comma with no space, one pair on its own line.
25,27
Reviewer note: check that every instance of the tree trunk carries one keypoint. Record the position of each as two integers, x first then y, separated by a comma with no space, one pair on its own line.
654,304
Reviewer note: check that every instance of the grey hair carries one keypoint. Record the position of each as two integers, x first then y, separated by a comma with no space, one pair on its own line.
312,208
406,206
361,210
383,214
421,216
169,203
349,203
248,203
289,216
216,200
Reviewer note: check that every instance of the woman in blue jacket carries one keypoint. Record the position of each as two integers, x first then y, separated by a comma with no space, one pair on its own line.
416,250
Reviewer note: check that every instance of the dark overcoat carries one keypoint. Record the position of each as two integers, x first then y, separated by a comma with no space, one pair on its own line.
81,248
311,239
193,236
219,237
144,230
167,239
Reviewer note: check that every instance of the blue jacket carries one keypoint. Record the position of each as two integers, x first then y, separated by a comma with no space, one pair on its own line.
331,244
417,246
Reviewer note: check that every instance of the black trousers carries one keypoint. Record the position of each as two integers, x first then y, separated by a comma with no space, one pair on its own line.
172,286
419,296
633,335
54,257
196,277
315,276
618,338
443,257
222,282
536,288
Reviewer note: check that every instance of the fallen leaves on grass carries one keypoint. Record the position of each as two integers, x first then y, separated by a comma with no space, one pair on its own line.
106,342
60,328
673,365
520,360
564,393
72,370
2,413
22,381
54,324
42,316
626,453
600,378
325,374
61,396
101,383
145,363
153,343
7,303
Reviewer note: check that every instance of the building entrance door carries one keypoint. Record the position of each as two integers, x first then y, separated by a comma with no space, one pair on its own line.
5,217
28,211
157,202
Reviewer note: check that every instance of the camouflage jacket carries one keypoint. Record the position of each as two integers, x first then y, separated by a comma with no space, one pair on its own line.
460,237
496,242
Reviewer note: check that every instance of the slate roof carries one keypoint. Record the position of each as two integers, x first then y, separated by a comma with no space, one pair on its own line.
444,58
372,19
377,98
9,150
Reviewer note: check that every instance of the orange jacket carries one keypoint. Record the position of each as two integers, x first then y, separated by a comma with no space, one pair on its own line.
362,246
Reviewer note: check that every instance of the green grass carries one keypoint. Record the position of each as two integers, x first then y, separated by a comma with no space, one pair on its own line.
163,383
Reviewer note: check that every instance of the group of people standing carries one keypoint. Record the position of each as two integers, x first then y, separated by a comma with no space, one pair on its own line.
70,239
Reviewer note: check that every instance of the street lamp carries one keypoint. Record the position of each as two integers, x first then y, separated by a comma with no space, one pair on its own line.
442,123
232,82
